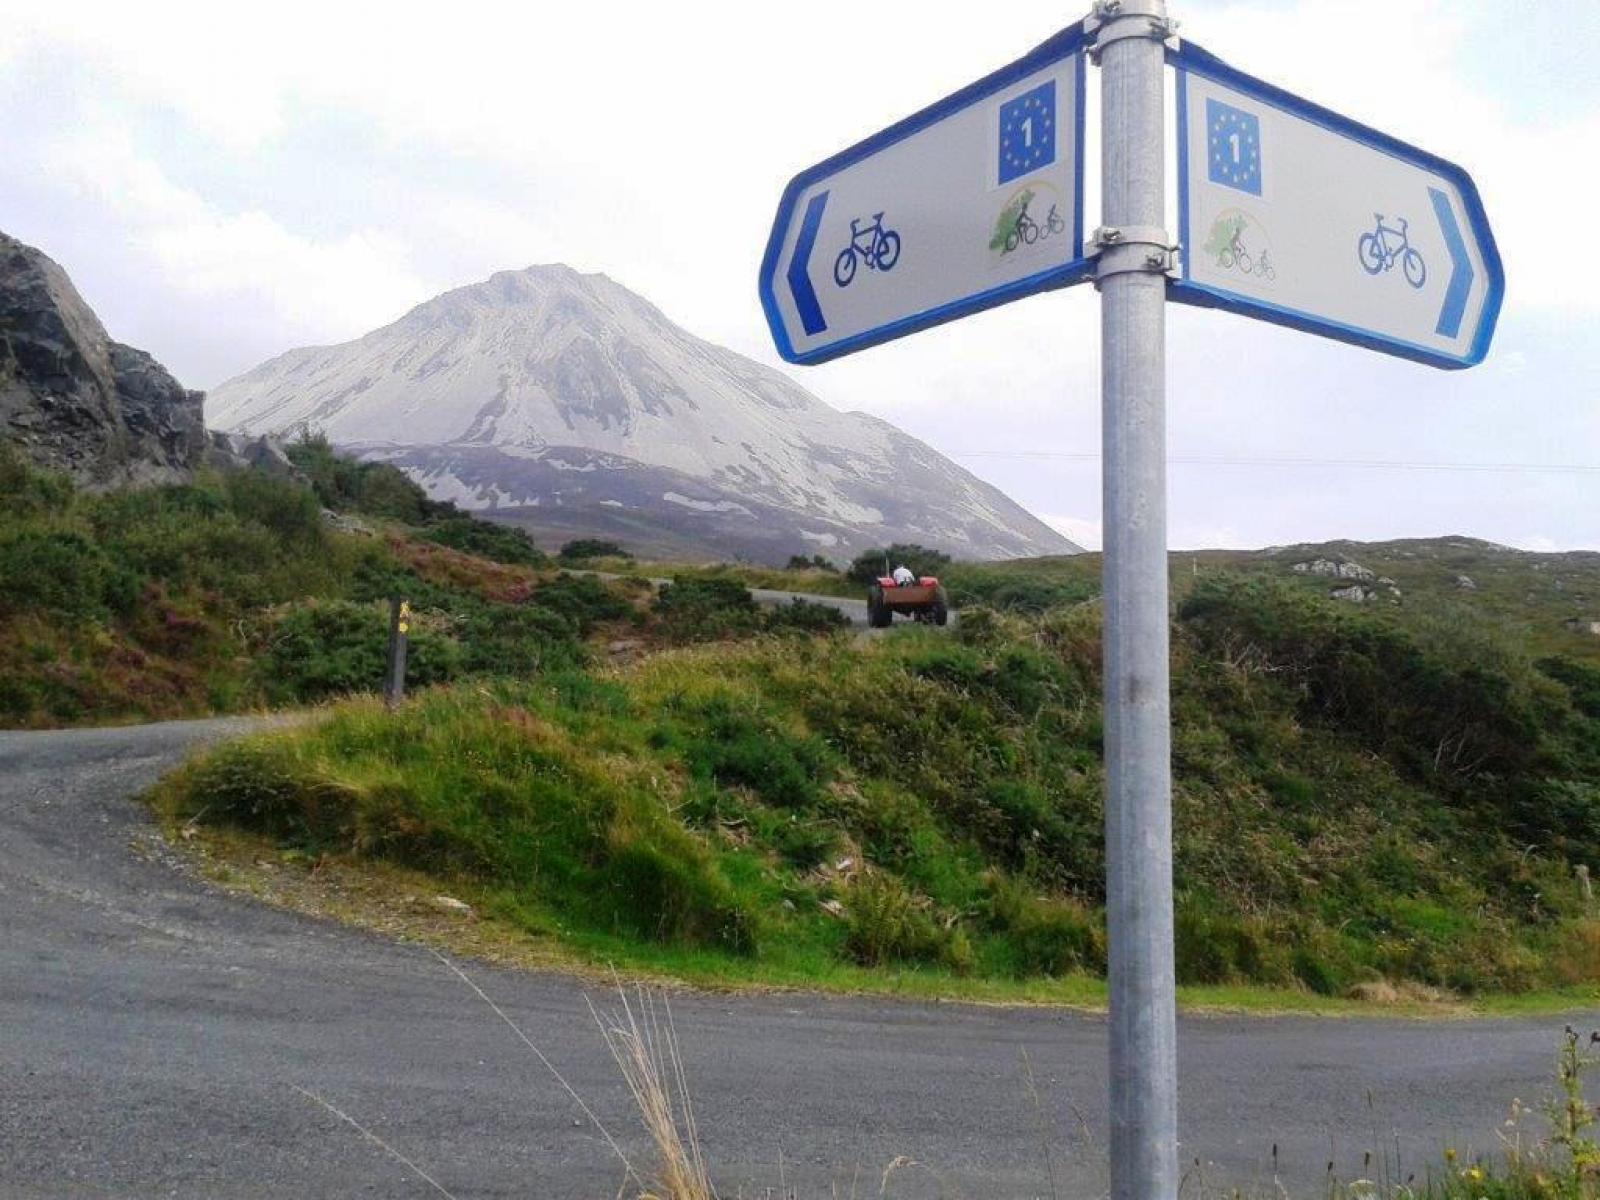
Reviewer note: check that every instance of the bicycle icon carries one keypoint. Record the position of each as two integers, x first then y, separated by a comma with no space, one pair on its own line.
876,246
1379,249
1026,231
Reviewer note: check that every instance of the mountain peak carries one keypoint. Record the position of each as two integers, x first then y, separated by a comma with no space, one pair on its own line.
548,391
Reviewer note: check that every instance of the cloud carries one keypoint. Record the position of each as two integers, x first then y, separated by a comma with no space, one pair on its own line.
239,266
227,183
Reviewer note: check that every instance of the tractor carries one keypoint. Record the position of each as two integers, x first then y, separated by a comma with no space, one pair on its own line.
923,601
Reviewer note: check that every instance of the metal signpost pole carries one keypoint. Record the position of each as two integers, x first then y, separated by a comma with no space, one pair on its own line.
1288,212
1132,282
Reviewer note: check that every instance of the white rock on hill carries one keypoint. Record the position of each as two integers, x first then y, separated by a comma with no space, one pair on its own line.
569,404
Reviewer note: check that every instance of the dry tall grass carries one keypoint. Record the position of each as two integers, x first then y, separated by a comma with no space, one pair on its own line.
645,1047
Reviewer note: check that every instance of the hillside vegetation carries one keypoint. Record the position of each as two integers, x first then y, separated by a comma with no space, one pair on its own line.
237,591
1356,800
1400,789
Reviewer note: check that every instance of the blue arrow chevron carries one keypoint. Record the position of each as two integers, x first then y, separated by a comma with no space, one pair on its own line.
1455,296
805,296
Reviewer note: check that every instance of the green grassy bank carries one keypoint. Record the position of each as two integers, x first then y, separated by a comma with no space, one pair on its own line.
1359,804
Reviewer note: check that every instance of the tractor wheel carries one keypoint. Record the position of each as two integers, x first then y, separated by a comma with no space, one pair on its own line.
941,608
878,614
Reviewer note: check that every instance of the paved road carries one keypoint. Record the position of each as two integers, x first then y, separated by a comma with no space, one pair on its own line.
850,606
153,1032
855,609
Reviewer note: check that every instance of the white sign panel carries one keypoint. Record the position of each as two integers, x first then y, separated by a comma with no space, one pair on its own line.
975,201
1292,214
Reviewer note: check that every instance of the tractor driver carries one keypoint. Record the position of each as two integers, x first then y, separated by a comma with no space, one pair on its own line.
903,576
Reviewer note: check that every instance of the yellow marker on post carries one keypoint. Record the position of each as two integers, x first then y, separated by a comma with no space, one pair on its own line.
394,687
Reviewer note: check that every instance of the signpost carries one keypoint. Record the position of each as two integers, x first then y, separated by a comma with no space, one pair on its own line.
1287,213
394,684
974,201
1293,214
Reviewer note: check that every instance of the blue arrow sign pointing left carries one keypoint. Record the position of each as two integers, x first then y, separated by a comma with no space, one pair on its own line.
799,274
974,201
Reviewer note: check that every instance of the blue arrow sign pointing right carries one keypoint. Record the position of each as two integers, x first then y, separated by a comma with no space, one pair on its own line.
1455,296
1293,214
799,274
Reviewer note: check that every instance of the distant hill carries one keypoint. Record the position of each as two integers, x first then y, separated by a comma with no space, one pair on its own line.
1553,599
569,405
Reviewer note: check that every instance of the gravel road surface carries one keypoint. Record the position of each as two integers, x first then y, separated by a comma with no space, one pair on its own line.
153,1033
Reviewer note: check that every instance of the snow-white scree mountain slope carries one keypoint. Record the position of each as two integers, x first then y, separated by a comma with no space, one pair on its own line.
566,403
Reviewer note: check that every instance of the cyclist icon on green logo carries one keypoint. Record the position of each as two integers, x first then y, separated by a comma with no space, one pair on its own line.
1229,245
1024,219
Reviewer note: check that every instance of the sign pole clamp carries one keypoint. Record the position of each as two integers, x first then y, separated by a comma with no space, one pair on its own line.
1132,249
1112,20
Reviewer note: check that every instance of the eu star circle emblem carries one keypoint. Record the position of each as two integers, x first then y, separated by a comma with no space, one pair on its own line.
1028,132
1233,147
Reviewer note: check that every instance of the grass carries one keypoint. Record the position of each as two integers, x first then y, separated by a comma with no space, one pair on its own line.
398,902
921,814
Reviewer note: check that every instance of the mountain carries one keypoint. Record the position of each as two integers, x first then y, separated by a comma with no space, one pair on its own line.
570,405
73,400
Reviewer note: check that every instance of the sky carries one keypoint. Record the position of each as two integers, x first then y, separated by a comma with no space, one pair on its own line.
225,182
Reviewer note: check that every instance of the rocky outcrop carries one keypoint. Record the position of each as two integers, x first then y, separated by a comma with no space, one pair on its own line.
1341,569
265,454
1356,593
73,400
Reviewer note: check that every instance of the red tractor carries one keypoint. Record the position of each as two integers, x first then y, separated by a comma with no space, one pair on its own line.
922,600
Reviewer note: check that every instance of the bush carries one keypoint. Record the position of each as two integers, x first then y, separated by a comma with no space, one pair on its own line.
487,539
582,548
886,923
1008,592
260,785
375,489
736,747
583,600
1047,935
27,491
1582,681
919,559
1214,947
799,562
803,843
1449,700
287,511
319,649
61,572
805,616
518,641
706,607
980,627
